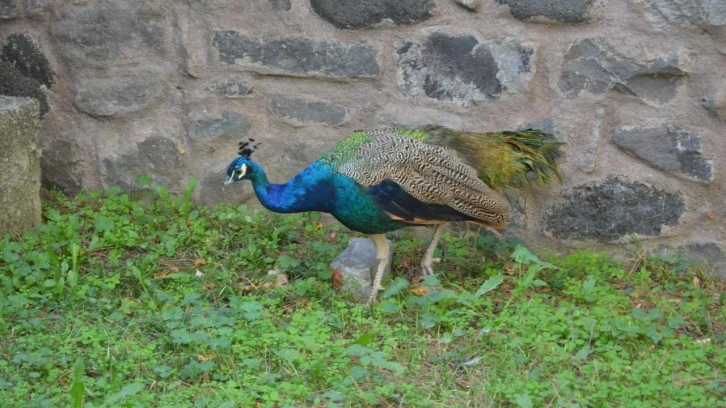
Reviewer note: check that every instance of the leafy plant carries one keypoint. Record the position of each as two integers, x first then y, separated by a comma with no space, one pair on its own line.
146,299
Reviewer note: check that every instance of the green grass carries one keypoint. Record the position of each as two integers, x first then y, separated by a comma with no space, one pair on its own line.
147,300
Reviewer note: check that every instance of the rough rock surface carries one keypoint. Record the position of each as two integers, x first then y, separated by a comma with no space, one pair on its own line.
296,56
118,95
460,69
19,164
101,32
357,14
158,158
563,11
613,210
22,53
300,112
357,265
229,123
667,149
596,68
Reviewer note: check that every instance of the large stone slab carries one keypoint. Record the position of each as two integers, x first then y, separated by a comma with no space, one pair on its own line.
227,123
356,14
119,94
459,69
664,13
14,83
62,165
296,56
19,164
157,157
666,148
22,53
301,111
8,9
561,11
593,67
104,31
612,210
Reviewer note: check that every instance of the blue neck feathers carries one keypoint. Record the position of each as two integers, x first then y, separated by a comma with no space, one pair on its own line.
311,190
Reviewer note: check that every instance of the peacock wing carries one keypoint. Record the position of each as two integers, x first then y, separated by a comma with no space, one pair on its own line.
419,182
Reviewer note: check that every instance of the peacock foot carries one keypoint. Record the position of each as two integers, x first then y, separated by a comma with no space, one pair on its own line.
427,266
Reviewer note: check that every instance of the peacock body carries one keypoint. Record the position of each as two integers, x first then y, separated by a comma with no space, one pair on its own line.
382,180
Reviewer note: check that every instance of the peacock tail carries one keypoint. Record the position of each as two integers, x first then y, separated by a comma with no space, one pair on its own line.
503,160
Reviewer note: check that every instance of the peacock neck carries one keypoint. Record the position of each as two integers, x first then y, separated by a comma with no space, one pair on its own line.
308,191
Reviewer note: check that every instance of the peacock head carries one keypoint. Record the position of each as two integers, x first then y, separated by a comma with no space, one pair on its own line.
240,168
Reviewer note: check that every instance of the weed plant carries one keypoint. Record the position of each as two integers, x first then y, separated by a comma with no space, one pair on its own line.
138,300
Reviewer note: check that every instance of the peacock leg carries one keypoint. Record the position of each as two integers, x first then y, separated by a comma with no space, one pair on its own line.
382,254
428,260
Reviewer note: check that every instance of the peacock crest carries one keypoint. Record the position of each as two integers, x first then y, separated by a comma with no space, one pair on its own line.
247,148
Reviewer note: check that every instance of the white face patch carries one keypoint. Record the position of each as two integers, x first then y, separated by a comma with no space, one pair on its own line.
243,170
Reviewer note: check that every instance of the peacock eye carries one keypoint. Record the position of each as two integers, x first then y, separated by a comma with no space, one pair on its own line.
238,171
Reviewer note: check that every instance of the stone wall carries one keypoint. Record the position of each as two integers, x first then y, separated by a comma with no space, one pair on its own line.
636,88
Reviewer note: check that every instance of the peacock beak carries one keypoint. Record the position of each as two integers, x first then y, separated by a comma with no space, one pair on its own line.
228,180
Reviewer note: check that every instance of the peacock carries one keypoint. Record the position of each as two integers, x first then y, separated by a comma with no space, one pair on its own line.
382,180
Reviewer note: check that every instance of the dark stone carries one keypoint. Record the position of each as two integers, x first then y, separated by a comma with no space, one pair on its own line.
459,68
596,68
212,190
24,55
105,30
157,157
309,111
614,209
296,56
563,11
667,149
14,83
282,5
233,88
119,95
356,14
230,124
62,168
37,6
702,13
8,9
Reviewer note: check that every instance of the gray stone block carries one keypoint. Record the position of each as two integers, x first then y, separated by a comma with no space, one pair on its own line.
19,164
596,68
231,124
562,11
296,56
105,30
357,265
355,14
22,53
299,111
212,190
120,94
234,88
62,165
157,157
8,9
614,209
665,13
459,69
666,148
14,83
282,5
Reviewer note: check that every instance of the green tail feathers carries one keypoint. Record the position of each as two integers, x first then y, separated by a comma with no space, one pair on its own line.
508,159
